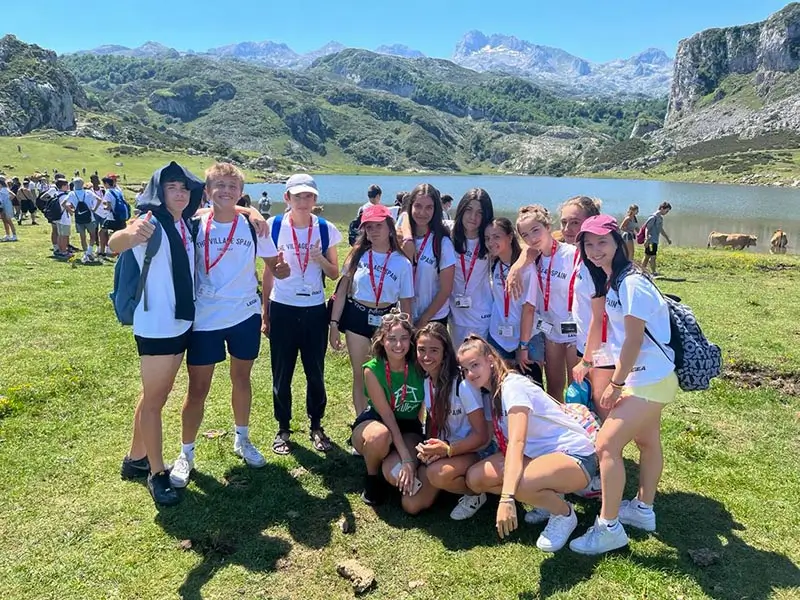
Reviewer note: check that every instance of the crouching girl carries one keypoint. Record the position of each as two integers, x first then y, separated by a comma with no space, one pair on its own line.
545,451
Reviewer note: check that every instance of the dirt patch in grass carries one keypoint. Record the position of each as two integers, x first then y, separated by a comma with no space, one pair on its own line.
751,375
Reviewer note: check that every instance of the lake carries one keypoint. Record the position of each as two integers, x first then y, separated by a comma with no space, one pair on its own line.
697,209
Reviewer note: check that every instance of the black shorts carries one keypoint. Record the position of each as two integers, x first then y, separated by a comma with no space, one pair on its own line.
27,206
405,425
650,249
163,346
112,225
355,318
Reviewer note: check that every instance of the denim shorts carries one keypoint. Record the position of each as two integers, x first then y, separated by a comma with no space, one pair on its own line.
535,348
488,451
588,464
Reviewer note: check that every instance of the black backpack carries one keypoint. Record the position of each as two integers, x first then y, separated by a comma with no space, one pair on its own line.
353,229
83,214
52,210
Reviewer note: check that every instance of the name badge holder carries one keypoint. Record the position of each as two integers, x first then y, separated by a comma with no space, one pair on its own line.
305,288
569,328
505,331
463,302
544,326
374,320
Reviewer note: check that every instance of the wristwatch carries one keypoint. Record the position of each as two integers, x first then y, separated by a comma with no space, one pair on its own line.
522,346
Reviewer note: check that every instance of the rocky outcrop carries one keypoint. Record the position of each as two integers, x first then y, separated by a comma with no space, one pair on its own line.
704,60
644,126
35,90
187,99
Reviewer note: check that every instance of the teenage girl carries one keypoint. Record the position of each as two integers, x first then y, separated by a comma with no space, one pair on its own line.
388,431
545,451
554,273
629,229
629,306
375,277
426,242
471,300
456,429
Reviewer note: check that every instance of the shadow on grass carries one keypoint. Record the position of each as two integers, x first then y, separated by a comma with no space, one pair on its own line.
224,521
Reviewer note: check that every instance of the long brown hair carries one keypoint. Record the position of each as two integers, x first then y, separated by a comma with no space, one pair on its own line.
505,225
378,338
448,374
437,226
363,244
499,369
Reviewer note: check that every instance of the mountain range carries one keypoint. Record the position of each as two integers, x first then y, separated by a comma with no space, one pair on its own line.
648,73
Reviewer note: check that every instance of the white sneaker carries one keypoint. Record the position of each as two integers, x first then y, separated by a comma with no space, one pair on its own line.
634,515
181,471
591,491
557,532
536,515
13,238
252,457
467,506
599,539
6,238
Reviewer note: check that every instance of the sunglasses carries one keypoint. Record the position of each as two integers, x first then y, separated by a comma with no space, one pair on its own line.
395,315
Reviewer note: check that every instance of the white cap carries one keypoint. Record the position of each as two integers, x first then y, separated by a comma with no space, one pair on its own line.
297,184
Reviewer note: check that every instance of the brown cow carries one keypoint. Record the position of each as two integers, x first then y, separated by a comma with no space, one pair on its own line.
778,243
737,241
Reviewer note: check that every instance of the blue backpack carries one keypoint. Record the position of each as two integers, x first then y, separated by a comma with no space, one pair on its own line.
122,210
129,280
324,235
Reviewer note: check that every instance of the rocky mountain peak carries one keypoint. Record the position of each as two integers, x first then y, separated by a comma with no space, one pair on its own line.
399,50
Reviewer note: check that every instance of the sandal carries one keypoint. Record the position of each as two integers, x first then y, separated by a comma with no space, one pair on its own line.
281,443
320,441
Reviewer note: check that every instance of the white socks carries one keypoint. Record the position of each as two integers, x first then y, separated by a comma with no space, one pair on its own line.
188,450
609,523
242,433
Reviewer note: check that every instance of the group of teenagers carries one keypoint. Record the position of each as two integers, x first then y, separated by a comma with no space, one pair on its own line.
462,344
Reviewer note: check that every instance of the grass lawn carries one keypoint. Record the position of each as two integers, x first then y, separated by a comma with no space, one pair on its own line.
71,529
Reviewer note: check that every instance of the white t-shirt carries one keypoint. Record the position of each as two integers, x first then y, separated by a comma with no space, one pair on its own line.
426,281
560,266
226,295
395,210
479,289
299,289
84,195
550,429
112,200
582,304
364,206
509,342
397,283
66,218
464,399
159,321
639,297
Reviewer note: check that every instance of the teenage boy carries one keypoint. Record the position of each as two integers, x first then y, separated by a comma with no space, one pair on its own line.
228,314
64,223
162,332
296,319
654,229
27,201
105,214
7,212
84,203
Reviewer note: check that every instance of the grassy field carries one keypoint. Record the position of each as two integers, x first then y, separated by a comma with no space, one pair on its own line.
71,529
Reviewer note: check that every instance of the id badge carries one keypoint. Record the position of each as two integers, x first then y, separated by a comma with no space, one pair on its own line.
543,326
303,290
569,328
602,357
463,302
374,320
206,290
505,330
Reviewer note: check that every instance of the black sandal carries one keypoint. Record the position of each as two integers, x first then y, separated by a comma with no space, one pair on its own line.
281,443
320,441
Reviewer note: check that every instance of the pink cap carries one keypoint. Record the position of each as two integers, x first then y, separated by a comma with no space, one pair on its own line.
375,214
599,225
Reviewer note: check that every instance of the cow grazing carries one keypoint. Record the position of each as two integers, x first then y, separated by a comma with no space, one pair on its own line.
778,243
737,241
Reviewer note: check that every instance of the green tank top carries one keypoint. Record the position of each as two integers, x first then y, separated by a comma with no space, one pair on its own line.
407,408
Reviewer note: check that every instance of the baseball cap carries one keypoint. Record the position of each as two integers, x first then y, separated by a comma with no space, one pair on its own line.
299,183
599,225
113,176
375,214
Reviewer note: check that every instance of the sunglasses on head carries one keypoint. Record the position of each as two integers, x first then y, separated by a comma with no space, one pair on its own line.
395,315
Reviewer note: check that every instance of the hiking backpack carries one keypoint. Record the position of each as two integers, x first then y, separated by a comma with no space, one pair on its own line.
122,210
83,214
324,234
129,280
697,361
53,210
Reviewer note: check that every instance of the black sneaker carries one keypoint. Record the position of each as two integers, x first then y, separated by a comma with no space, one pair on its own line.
373,490
134,469
161,489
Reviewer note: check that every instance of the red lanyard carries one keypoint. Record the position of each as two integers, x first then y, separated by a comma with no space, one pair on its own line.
389,385
183,233
378,289
304,263
419,253
506,294
434,429
546,289
498,434
604,337
468,274
575,263
227,242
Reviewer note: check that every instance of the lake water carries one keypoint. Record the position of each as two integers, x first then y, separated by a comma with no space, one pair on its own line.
697,209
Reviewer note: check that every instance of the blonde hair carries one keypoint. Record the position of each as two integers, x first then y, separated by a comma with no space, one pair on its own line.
536,212
499,370
590,206
224,169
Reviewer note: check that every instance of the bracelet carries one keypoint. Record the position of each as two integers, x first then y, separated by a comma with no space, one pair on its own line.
407,461
408,239
587,363
334,322
615,385
449,450
508,500
506,496
522,346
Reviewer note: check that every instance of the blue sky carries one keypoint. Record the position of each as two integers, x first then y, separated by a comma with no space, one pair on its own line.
594,29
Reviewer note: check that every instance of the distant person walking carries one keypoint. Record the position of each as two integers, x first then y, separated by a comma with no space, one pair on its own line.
654,229
629,229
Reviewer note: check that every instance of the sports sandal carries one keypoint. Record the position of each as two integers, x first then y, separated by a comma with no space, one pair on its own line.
320,441
280,444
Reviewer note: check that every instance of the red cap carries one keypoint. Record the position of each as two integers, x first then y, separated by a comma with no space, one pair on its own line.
599,225
112,176
375,214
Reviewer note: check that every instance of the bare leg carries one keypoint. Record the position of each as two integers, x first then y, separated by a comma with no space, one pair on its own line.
555,369
242,395
194,405
372,439
358,349
450,474
158,376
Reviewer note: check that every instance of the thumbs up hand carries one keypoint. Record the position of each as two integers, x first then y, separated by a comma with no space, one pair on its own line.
142,229
282,269
316,252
